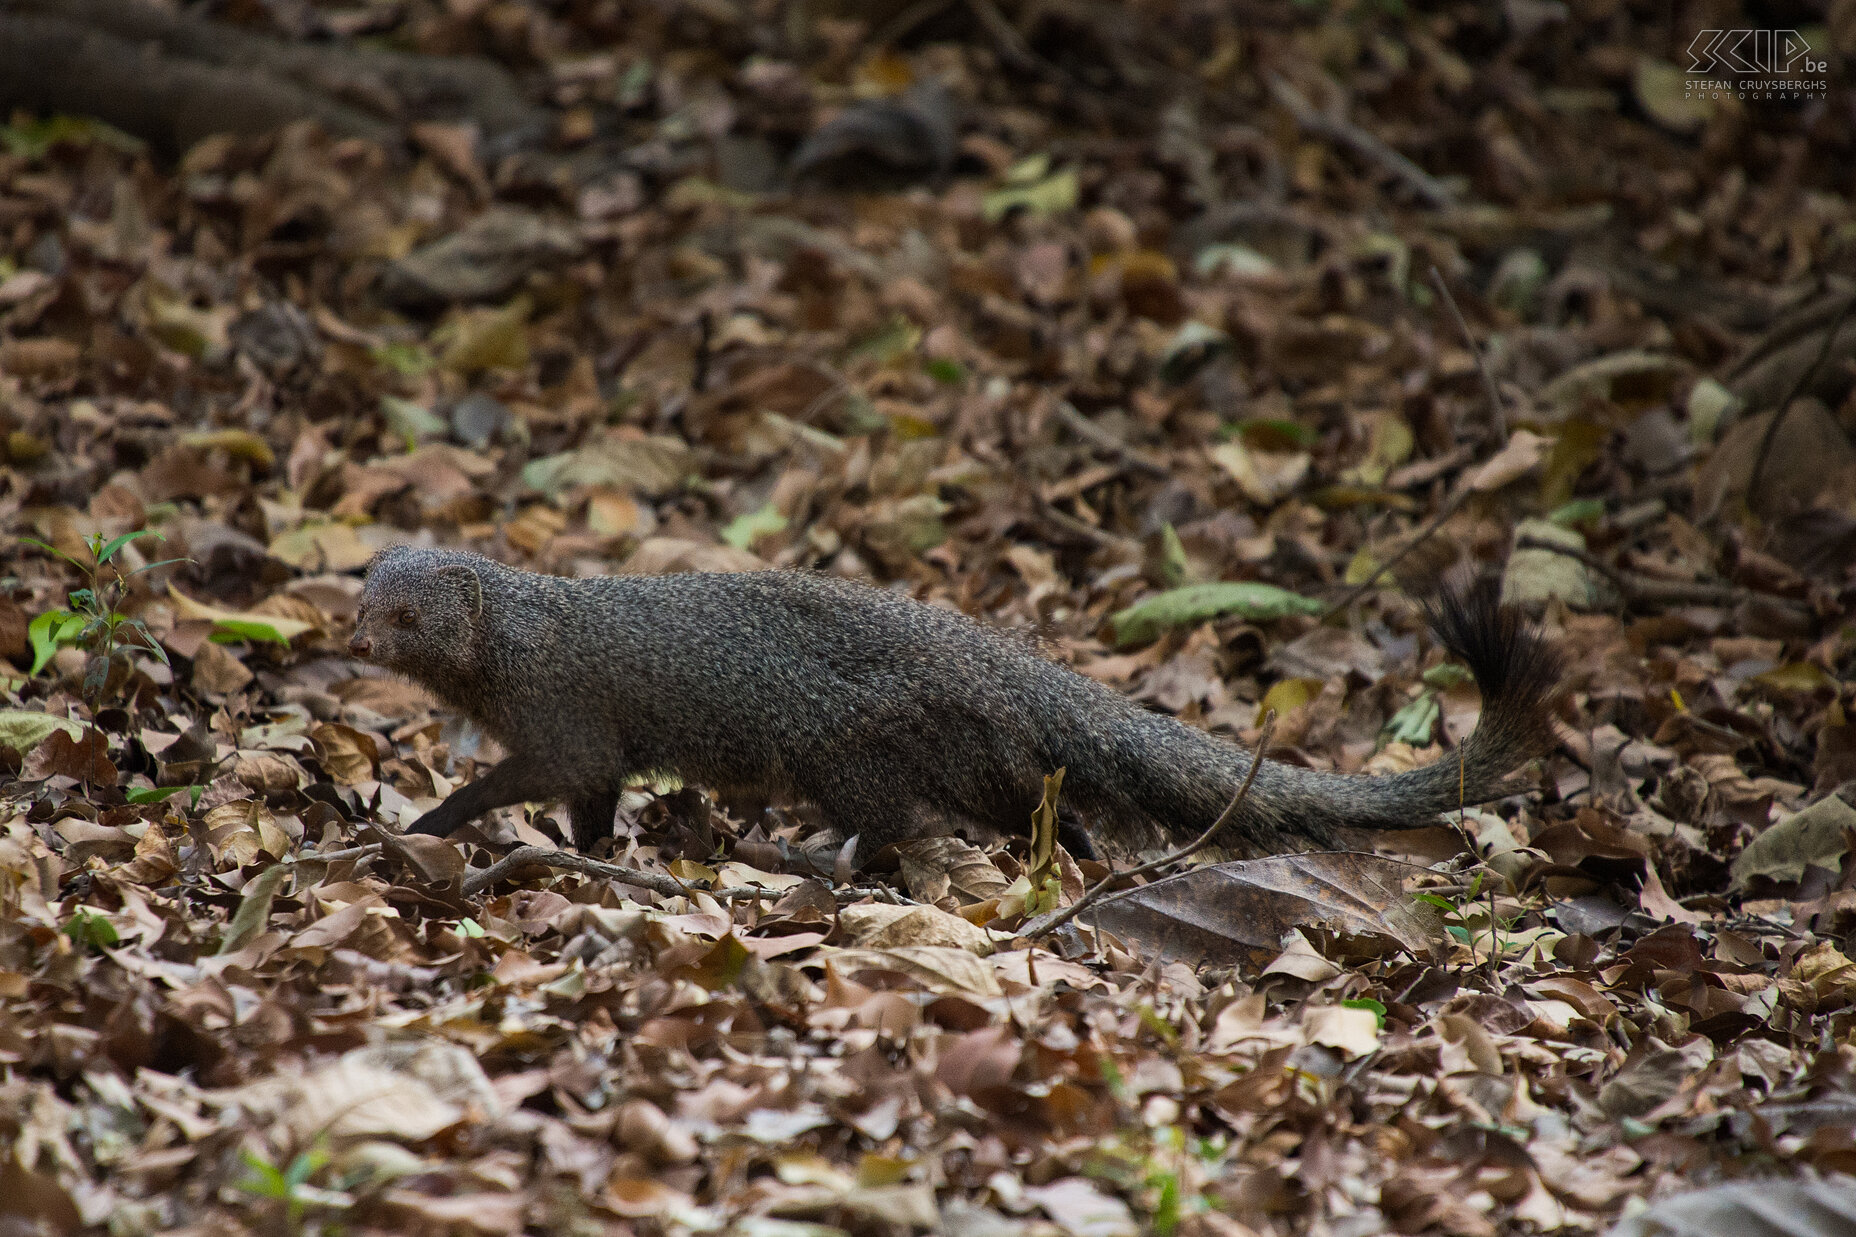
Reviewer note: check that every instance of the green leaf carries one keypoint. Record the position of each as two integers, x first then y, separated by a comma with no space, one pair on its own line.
1445,675
34,138
90,928
404,359
305,1166
947,373
166,562
1271,433
1579,511
264,1179
898,338
50,632
1166,1207
1194,603
149,644
226,630
1049,195
157,794
1174,566
115,544
1431,899
744,530
51,549
410,421
1367,1002
22,729
1414,723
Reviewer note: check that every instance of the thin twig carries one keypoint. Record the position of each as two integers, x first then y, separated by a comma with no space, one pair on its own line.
1096,436
1498,415
336,856
1648,589
542,856
899,26
1044,925
1370,147
1017,52
1089,532
1498,418
1450,508
1798,385
1619,578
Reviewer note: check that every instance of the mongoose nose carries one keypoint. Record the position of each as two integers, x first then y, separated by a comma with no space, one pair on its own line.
360,645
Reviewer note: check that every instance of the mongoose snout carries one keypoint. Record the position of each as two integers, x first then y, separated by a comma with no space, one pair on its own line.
893,717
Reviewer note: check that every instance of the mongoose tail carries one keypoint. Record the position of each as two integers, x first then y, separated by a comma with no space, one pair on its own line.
1164,783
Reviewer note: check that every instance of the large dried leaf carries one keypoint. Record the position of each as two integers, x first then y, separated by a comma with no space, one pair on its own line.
1238,913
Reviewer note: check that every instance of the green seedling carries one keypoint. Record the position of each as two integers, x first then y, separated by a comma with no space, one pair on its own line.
90,618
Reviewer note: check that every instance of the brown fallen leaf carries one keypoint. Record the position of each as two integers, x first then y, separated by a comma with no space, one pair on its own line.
1238,913
85,759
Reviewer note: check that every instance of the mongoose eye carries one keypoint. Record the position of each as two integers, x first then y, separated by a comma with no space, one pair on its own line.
408,618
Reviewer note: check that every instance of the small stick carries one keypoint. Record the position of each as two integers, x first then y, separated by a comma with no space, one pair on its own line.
899,26
1498,414
530,856
1044,925
1499,419
1089,532
1450,508
1798,385
1096,436
336,856
1370,147
1642,588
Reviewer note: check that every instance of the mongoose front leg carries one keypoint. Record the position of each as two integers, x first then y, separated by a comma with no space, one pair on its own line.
512,781
591,816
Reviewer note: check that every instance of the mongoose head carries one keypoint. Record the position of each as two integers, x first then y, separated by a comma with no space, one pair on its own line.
419,613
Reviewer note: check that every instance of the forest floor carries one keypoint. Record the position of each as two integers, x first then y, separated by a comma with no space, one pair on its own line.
1157,329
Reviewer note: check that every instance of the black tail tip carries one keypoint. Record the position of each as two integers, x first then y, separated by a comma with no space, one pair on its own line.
1510,656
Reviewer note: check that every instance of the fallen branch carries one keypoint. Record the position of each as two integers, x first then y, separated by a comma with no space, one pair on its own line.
1044,925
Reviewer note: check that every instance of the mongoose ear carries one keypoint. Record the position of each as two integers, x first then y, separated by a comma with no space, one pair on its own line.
465,579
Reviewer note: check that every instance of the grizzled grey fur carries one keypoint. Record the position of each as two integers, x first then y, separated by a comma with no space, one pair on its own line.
897,719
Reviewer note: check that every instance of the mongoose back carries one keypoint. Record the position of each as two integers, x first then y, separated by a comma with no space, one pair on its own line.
895,718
